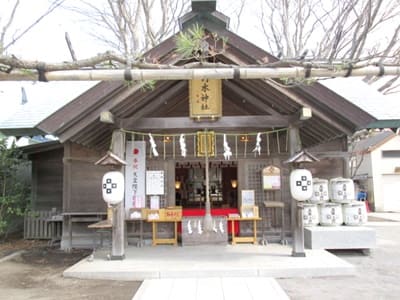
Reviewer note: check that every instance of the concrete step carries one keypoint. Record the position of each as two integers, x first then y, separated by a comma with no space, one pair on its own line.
216,288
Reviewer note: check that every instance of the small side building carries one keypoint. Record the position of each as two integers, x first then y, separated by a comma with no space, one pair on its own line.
376,161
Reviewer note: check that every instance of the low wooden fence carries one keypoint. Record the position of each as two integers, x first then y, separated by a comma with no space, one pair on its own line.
40,225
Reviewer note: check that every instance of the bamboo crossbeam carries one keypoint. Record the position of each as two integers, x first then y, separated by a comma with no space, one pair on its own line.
196,73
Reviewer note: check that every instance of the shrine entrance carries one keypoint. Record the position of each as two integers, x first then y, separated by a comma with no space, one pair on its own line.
190,187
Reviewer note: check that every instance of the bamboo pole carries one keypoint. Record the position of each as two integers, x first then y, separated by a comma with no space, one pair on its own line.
197,73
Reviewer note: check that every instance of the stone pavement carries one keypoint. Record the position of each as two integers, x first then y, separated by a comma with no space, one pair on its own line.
246,260
222,269
390,216
216,288
376,276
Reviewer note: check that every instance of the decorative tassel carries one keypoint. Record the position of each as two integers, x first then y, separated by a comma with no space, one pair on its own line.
189,227
182,143
199,229
153,145
227,149
221,227
257,148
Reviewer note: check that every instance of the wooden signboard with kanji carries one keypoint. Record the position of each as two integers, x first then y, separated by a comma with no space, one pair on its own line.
205,97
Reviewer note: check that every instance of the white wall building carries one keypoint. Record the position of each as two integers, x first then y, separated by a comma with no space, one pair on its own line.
379,170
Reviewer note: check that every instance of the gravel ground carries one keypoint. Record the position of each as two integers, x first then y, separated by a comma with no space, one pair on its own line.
377,274
37,274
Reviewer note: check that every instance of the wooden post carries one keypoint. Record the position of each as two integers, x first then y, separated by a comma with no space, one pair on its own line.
118,229
295,212
67,175
207,217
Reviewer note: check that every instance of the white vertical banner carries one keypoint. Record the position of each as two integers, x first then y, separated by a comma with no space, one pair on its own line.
135,174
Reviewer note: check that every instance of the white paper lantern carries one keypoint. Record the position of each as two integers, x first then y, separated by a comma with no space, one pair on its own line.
113,187
320,190
301,184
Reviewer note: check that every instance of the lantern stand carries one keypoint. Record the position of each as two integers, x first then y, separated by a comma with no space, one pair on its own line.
115,202
297,162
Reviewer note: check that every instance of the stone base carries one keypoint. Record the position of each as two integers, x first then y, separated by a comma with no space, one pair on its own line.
194,233
339,237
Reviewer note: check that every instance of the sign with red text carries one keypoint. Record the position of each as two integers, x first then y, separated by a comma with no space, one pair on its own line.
135,174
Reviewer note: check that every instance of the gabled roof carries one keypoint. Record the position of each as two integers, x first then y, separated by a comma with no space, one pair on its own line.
333,116
374,141
356,91
43,99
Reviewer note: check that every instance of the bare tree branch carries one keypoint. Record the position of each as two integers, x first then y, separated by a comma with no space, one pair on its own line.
333,30
55,4
131,27
7,26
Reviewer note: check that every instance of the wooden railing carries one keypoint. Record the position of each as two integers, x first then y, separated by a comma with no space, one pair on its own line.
38,225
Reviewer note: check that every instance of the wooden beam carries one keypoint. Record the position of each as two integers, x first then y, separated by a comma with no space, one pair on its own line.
264,121
250,97
91,116
315,111
150,105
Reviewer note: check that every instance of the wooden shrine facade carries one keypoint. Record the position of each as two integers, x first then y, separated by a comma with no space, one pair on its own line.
249,107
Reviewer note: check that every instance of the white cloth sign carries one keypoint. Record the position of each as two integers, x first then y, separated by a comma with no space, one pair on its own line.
135,174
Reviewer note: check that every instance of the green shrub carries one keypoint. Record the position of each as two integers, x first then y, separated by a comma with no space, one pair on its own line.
14,193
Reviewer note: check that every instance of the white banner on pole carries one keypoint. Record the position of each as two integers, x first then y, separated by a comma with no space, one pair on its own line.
135,174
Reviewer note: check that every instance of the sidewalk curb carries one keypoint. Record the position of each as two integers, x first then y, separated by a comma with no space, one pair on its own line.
12,255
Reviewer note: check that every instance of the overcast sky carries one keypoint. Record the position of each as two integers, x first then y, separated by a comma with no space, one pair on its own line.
46,42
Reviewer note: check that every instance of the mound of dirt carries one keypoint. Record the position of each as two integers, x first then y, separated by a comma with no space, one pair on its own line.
53,256
16,244
38,252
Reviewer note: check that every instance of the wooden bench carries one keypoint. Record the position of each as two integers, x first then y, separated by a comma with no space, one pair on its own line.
101,227
80,217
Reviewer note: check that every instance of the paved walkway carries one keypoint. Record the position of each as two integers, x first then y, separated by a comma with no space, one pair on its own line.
227,288
273,260
390,216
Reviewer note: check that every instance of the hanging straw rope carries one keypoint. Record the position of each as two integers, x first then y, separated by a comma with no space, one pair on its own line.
257,150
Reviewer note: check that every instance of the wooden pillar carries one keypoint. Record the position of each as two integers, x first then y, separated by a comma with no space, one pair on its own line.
67,176
207,217
296,211
118,229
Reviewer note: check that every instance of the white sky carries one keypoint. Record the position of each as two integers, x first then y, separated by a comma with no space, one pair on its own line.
46,42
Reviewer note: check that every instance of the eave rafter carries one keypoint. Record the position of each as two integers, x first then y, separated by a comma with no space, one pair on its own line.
182,123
